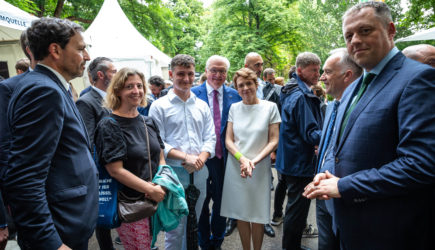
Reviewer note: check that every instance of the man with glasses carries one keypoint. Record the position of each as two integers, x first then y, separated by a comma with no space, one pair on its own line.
219,98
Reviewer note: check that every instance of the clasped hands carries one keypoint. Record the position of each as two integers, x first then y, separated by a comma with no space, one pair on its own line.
193,163
323,187
246,167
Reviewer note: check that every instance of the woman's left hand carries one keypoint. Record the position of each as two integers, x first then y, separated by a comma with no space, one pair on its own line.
157,193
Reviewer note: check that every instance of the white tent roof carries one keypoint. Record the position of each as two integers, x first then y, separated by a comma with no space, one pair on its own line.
13,21
422,35
112,35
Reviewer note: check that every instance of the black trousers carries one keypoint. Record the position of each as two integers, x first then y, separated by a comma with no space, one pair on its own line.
280,192
296,212
327,239
104,238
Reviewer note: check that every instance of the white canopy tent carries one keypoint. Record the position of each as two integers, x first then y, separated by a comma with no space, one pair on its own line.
12,22
422,35
112,35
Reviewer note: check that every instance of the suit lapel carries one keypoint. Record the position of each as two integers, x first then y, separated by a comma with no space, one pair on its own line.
373,89
67,97
203,93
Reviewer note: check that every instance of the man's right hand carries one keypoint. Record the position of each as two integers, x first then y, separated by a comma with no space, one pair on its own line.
4,234
190,163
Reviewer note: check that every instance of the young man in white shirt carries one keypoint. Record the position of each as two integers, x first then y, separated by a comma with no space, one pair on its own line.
187,130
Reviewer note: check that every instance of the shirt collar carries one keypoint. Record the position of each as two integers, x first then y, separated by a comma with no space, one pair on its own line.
173,97
59,76
378,68
210,89
99,91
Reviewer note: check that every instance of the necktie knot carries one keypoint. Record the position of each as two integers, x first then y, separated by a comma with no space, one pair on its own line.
368,78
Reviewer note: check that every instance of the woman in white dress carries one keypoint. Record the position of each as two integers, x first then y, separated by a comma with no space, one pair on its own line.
252,134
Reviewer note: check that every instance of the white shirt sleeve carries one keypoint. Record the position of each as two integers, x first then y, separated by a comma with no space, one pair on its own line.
156,112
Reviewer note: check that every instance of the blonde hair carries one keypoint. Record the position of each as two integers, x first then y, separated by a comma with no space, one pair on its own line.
113,101
245,73
279,80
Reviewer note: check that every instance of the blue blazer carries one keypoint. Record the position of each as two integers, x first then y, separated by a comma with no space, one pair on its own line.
51,182
386,161
230,96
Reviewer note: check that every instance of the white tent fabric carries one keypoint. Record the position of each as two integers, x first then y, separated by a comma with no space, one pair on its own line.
12,22
112,35
422,35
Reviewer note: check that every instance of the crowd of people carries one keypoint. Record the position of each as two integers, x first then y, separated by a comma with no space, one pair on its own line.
367,156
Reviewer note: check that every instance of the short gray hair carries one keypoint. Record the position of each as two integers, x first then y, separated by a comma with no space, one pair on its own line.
268,71
98,64
306,59
217,58
346,61
382,11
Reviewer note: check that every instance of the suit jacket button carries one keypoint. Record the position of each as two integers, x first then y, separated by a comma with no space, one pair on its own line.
336,159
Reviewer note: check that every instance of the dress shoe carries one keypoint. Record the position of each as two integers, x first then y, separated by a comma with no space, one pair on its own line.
231,224
268,230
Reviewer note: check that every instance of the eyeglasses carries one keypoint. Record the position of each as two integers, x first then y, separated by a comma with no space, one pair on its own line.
131,86
216,71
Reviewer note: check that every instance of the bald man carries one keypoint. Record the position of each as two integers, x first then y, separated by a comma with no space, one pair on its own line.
423,53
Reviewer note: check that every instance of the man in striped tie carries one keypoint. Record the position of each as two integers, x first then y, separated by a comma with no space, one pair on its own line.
339,71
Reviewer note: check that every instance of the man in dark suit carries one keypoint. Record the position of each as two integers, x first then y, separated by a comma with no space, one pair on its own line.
339,71
51,182
219,97
90,106
383,177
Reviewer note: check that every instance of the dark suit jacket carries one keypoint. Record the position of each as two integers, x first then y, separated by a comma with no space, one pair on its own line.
229,97
51,182
92,111
386,161
3,221
6,88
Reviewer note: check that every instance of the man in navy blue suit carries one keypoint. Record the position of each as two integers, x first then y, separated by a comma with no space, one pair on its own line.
339,71
51,182
384,166
219,97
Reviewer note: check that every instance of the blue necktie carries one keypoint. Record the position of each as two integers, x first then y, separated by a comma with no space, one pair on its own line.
328,134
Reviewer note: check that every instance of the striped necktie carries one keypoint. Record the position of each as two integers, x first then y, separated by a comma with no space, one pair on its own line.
328,134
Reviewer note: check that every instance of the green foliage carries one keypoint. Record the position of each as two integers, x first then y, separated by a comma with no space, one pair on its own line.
277,29
268,27
420,15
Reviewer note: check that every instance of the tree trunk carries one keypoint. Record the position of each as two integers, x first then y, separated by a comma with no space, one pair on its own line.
59,8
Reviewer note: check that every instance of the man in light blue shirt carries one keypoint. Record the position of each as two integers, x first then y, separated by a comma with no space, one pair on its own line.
187,130
339,71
